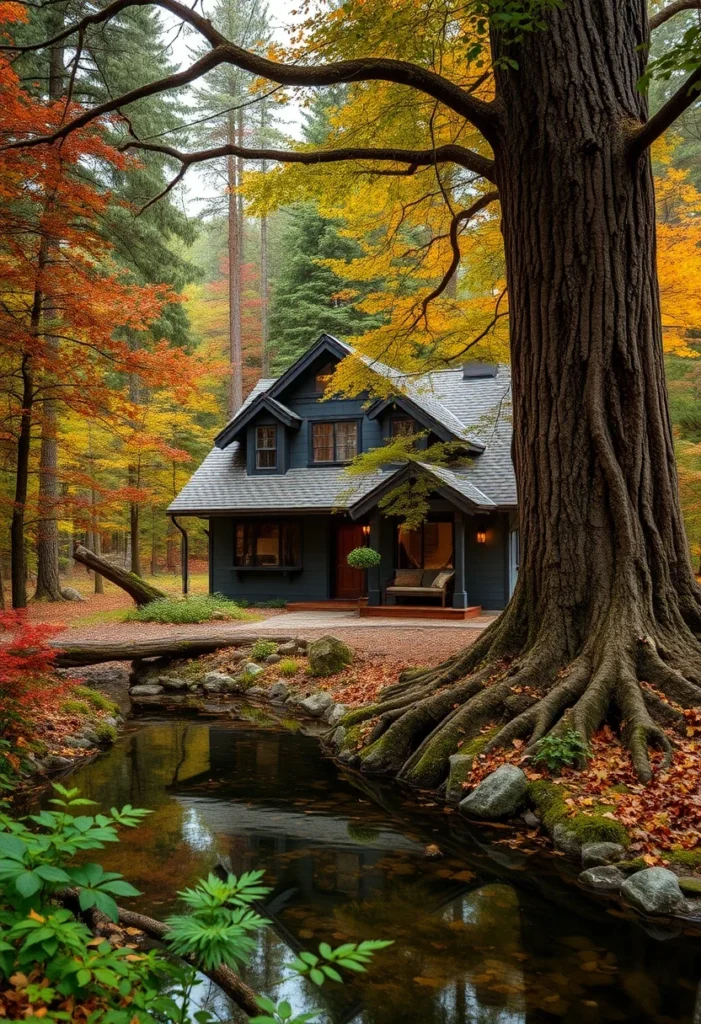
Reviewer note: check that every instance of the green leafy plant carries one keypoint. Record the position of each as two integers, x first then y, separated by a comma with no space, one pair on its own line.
288,667
263,649
48,954
561,751
195,608
363,558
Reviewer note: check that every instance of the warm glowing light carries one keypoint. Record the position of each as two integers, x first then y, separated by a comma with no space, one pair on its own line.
366,531
481,537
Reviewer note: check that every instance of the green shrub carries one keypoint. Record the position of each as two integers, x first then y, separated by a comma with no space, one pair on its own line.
562,751
106,733
77,707
195,608
363,558
262,649
54,961
288,667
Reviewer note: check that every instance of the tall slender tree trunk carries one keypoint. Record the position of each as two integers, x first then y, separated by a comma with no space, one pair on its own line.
606,599
234,242
134,482
48,586
264,296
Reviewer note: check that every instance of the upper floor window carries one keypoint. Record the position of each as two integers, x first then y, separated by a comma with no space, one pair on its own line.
323,376
334,442
402,426
266,447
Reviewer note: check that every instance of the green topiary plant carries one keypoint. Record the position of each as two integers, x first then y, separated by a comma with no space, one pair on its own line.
363,558
562,751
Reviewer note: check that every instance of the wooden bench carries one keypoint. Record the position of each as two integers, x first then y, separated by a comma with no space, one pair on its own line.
424,586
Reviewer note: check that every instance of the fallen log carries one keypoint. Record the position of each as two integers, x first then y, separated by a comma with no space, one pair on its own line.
141,591
183,644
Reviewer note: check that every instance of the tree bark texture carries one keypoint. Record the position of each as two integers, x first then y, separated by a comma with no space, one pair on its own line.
142,592
606,599
235,258
181,644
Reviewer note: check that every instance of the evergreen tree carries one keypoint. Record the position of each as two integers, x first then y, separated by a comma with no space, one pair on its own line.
308,297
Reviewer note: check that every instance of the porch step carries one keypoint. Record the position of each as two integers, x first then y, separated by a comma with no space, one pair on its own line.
414,611
322,606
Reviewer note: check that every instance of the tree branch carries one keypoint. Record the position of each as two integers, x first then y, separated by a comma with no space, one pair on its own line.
674,8
363,69
413,157
684,97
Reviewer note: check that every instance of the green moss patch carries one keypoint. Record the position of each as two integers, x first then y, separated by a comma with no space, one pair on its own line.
550,800
690,886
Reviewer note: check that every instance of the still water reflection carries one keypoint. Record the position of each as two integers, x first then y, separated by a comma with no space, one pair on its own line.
482,936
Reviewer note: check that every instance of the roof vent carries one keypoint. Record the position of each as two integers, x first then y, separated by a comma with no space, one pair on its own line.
476,371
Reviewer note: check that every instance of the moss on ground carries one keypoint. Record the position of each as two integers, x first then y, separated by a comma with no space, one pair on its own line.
550,801
636,864
96,699
685,858
77,707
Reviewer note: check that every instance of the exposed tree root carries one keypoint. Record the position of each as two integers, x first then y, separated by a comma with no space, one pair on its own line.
516,687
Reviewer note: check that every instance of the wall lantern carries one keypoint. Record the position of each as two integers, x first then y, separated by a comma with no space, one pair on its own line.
366,531
481,537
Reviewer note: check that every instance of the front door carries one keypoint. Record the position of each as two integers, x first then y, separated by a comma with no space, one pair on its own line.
348,583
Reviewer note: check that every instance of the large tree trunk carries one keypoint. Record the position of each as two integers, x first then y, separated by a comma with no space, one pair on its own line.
606,598
18,567
142,592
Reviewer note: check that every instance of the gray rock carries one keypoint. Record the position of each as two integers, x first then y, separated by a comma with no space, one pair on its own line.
595,854
71,594
54,762
76,742
146,690
273,659
334,713
565,840
316,704
338,736
218,682
328,655
531,819
653,891
604,878
251,670
279,691
287,649
257,691
88,733
218,616
460,768
172,683
103,675
114,722
498,796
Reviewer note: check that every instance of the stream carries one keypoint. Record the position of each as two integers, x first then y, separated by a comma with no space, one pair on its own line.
483,935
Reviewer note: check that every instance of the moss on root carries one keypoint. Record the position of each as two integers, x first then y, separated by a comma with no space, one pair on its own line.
359,715
550,800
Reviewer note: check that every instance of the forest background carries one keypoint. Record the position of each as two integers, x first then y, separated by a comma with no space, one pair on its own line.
130,329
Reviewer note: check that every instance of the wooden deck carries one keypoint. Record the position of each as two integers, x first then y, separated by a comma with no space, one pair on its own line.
337,605
415,611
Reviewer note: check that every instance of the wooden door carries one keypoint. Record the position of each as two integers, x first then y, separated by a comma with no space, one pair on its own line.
348,583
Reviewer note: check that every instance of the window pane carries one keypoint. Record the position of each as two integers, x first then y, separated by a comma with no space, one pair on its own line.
322,442
402,428
291,549
265,437
267,544
266,445
346,441
409,548
266,459
243,550
438,546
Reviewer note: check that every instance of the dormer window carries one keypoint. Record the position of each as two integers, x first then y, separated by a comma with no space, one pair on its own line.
403,426
334,442
323,376
266,447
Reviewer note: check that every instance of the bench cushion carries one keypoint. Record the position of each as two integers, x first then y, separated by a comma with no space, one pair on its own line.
407,578
435,591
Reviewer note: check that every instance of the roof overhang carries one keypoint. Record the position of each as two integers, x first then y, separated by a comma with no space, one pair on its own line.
412,470
263,403
423,417
326,345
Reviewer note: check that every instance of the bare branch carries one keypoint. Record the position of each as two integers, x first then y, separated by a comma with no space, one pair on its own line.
311,157
674,8
363,69
684,97
459,219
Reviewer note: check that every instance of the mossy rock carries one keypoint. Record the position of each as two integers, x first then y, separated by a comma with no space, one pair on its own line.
461,765
550,801
636,864
690,886
328,655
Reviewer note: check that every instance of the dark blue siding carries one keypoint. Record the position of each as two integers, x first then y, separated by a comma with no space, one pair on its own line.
486,565
311,584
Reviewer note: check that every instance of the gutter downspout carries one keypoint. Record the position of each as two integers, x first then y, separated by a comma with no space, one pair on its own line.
184,555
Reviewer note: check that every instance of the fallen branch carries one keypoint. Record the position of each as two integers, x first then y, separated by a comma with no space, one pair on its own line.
184,644
141,591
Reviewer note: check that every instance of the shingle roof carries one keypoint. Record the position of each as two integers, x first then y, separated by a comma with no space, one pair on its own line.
479,408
